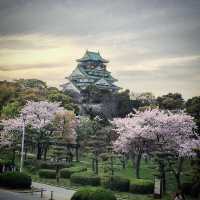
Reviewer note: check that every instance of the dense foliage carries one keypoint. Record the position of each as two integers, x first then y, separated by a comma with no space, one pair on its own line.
13,96
47,173
15,180
141,186
93,194
193,108
67,172
85,178
117,183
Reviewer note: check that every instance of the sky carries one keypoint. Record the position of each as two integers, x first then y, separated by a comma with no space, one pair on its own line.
152,45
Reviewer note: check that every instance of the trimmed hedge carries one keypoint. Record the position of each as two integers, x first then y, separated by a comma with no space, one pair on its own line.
50,165
93,194
47,173
117,183
15,180
84,178
67,172
43,164
141,186
192,189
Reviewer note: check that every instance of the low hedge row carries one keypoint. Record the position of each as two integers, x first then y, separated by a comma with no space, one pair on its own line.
67,172
51,165
43,164
192,189
47,173
116,183
141,186
85,178
78,175
15,180
93,194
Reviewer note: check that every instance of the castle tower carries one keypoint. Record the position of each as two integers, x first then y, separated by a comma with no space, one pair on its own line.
91,70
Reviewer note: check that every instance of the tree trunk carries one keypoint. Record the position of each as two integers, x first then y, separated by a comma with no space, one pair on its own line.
39,151
57,173
93,168
178,174
77,157
123,161
138,159
133,160
164,181
45,153
112,168
13,156
97,166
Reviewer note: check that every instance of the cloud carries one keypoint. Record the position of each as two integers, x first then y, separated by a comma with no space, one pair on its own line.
156,43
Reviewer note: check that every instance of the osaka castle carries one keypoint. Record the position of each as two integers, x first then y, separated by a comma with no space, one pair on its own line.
90,70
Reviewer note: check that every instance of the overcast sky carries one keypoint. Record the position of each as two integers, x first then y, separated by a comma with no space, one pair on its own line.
152,45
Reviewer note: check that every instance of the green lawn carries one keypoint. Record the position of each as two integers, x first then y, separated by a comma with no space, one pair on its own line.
147,171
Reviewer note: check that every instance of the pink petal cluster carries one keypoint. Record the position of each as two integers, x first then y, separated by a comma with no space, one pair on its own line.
173,132
40,114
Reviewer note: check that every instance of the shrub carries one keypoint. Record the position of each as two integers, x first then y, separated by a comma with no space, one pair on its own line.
67,172
190,188
141,186
43,164
85,179
83,194
102,194
93,194
186,187
32,163
117,183
15,180
47,173
50,165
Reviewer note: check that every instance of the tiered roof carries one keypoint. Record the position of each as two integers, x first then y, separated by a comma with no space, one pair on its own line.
92,56
91,70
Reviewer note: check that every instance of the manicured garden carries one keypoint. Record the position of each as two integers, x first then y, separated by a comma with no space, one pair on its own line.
121,155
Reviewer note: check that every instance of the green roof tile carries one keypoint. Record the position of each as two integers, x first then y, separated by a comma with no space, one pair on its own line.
92,56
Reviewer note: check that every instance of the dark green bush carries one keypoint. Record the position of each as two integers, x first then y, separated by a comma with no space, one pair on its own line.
116,183
67,172
15,180
47,173
186,188
93,194
192,189
83,194
32,164
102,194
50,165
141,186
85,178
43,164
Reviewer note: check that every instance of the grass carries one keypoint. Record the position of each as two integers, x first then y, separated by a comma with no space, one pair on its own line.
147,171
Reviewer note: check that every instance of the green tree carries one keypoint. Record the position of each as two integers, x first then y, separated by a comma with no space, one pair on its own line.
11,110
171,101
193,108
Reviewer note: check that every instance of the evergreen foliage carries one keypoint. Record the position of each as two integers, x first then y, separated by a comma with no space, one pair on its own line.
141,186
47,173
15,180
85,178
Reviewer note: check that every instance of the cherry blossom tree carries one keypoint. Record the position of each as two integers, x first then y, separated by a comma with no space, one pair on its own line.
37,116
158,130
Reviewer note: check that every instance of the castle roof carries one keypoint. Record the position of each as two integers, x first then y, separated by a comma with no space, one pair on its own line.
92,56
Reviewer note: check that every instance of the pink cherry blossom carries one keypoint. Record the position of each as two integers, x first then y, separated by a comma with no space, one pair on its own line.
174,132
